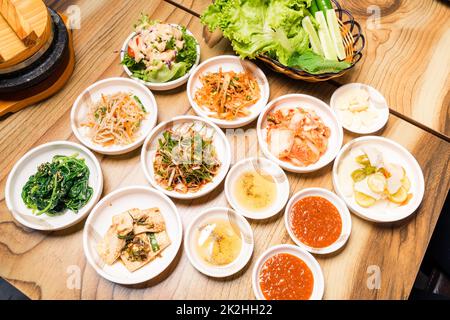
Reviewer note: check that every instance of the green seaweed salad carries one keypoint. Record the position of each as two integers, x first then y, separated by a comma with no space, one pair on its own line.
160,52
58,185
303,34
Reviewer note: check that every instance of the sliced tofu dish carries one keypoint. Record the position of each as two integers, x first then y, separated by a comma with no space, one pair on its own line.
372,178
135,237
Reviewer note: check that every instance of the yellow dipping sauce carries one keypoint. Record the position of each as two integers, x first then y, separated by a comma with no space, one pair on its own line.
255,191
218,243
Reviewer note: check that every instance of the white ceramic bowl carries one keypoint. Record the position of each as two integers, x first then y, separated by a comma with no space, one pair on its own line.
340,206
28,165
309,103
242,226
93,93
100,220
376,102
164,85
228,63
221,144
266,167
395,153
310,261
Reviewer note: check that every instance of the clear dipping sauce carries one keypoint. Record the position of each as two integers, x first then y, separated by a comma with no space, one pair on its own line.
255,190
218,243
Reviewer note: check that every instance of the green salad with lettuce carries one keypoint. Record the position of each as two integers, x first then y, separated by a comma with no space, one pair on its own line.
160,52
302,34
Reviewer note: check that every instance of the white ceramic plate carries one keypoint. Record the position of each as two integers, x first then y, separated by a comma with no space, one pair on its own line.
92,94
28,165
308,103
377,102
164,85
239,223
221,144
310,261
395,153
266,167
340,206
228,63
100,220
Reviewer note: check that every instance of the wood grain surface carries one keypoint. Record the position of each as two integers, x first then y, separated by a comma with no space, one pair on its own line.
405,57
47,265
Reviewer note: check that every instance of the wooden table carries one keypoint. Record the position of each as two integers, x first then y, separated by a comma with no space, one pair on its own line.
46,265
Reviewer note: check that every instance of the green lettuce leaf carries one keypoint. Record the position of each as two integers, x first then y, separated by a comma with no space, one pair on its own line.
165,74
270,27
316,64
188,54
258,26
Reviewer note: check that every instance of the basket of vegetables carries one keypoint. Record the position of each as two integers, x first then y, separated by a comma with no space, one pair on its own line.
311,40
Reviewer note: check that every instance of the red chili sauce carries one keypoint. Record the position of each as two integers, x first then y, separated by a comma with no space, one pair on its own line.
315,221
286,277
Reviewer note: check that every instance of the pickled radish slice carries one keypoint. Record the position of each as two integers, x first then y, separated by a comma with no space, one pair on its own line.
400,196
406,183
377,182
364,200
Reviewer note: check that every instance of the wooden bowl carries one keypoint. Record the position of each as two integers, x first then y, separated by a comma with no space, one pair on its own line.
354,43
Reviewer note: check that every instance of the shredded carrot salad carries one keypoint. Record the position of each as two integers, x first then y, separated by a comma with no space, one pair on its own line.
115,119
228,94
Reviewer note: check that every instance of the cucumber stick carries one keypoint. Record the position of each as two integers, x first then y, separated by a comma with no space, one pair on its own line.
324,5
329,51
313,8
313,37
335,33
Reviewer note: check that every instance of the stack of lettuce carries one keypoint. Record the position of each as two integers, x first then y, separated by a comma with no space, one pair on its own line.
302,34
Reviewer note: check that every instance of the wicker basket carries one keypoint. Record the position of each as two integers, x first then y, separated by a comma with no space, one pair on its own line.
354,43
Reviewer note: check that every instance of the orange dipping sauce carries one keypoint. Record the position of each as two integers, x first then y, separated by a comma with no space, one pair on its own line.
315,221
286,277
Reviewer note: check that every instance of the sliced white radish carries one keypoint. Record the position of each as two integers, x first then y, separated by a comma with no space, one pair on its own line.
367,117
394,182
346,167
363,94
342,103
356,124
347,118
374,155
